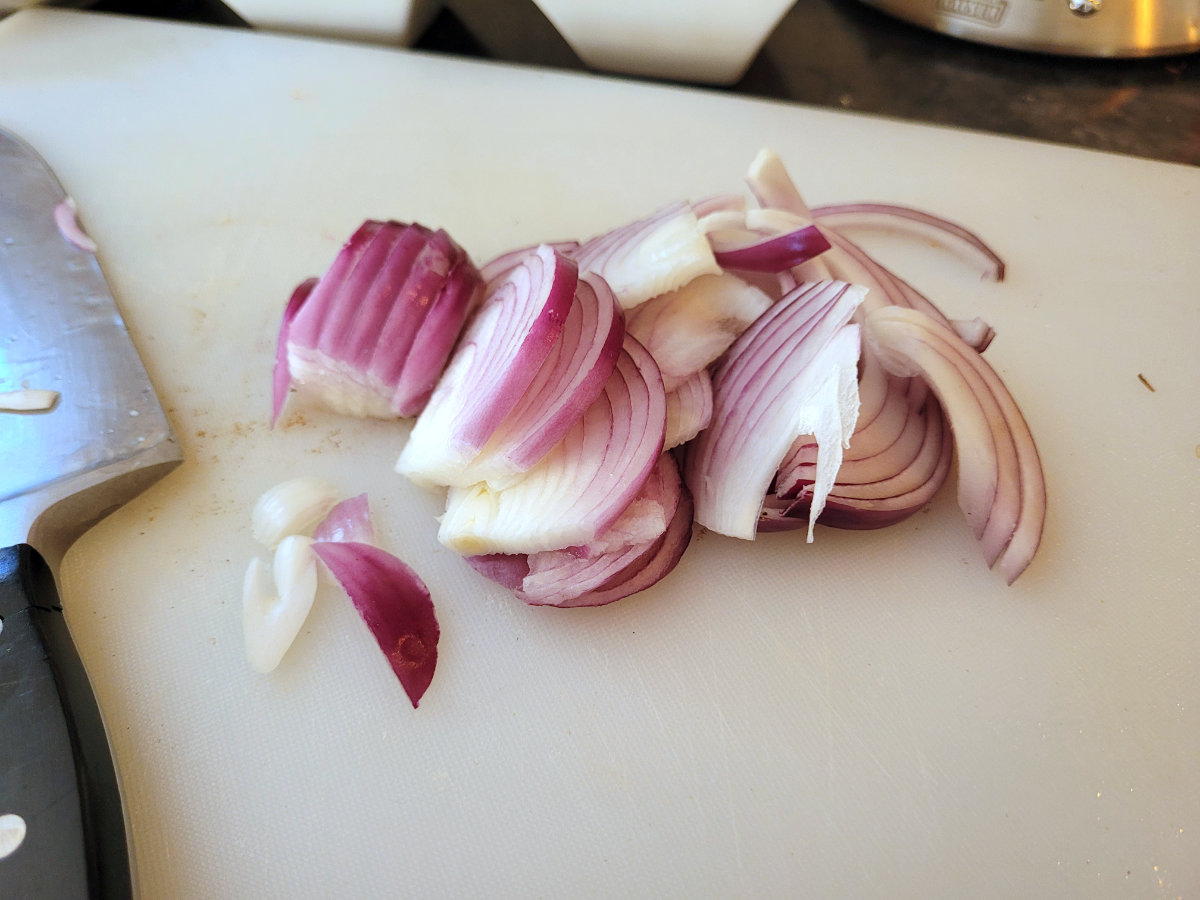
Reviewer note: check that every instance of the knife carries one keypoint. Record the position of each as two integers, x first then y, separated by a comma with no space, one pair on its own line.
63,466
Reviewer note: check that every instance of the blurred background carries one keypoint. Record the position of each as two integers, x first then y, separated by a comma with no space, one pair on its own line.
845,54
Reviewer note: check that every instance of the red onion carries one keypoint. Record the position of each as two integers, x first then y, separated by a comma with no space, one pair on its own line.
892,216
395,605
498,357
687,329
1001,488
689,409
651,256
349,339
582,485
67,219
282,378
790,373
563,577
570,378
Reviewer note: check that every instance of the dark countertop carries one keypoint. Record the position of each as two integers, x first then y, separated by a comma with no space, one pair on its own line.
841,54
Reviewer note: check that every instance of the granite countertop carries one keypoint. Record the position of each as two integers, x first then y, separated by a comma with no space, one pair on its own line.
842,54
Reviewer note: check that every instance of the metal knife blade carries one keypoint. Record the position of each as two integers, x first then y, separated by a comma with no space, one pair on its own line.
61,469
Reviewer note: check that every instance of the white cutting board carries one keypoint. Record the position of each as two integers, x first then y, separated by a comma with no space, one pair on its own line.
872,715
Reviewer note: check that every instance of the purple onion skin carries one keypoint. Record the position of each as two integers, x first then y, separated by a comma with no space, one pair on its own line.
396,606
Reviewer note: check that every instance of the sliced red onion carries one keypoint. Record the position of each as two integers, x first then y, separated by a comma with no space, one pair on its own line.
394,603
568,381
272,619
67,219
689,409
281,380
558,577
647,570
348,521
433,342
349,339
893,216
774,253
687,329
582,485
651,256
791,373
1001,486
498,357
497,268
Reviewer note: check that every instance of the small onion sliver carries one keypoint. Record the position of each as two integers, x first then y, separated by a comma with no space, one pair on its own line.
774,253
689,409
348,520
895,216
394,603
66,217
998,459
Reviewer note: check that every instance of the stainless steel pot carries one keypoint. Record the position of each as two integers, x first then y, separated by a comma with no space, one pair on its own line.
1075,27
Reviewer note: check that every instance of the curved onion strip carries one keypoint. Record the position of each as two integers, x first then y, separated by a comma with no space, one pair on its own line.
395,605
568,381
646,571
349,520
434,341
498,356
66,217
1002,464
651,256
689,409
687,329
555,577
281,379
582,485
768,390
774,253
894,216
498,267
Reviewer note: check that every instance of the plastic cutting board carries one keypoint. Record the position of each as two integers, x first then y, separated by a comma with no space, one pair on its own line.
874,714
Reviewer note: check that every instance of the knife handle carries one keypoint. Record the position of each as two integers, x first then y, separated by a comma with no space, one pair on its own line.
56,771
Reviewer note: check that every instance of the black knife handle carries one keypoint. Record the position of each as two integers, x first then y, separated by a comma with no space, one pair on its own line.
56,770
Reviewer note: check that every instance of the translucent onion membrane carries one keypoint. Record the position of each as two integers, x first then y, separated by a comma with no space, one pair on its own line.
372,335
638,549
582,485
394,603
793,372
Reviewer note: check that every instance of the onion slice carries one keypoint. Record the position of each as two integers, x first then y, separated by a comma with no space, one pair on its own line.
565,577
651,256
1002,490
776,382
373,334
689,409
291,507
582,485
688,329
499,356
894,216
568,381
394,603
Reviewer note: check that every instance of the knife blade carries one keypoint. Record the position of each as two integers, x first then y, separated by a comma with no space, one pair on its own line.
104,440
